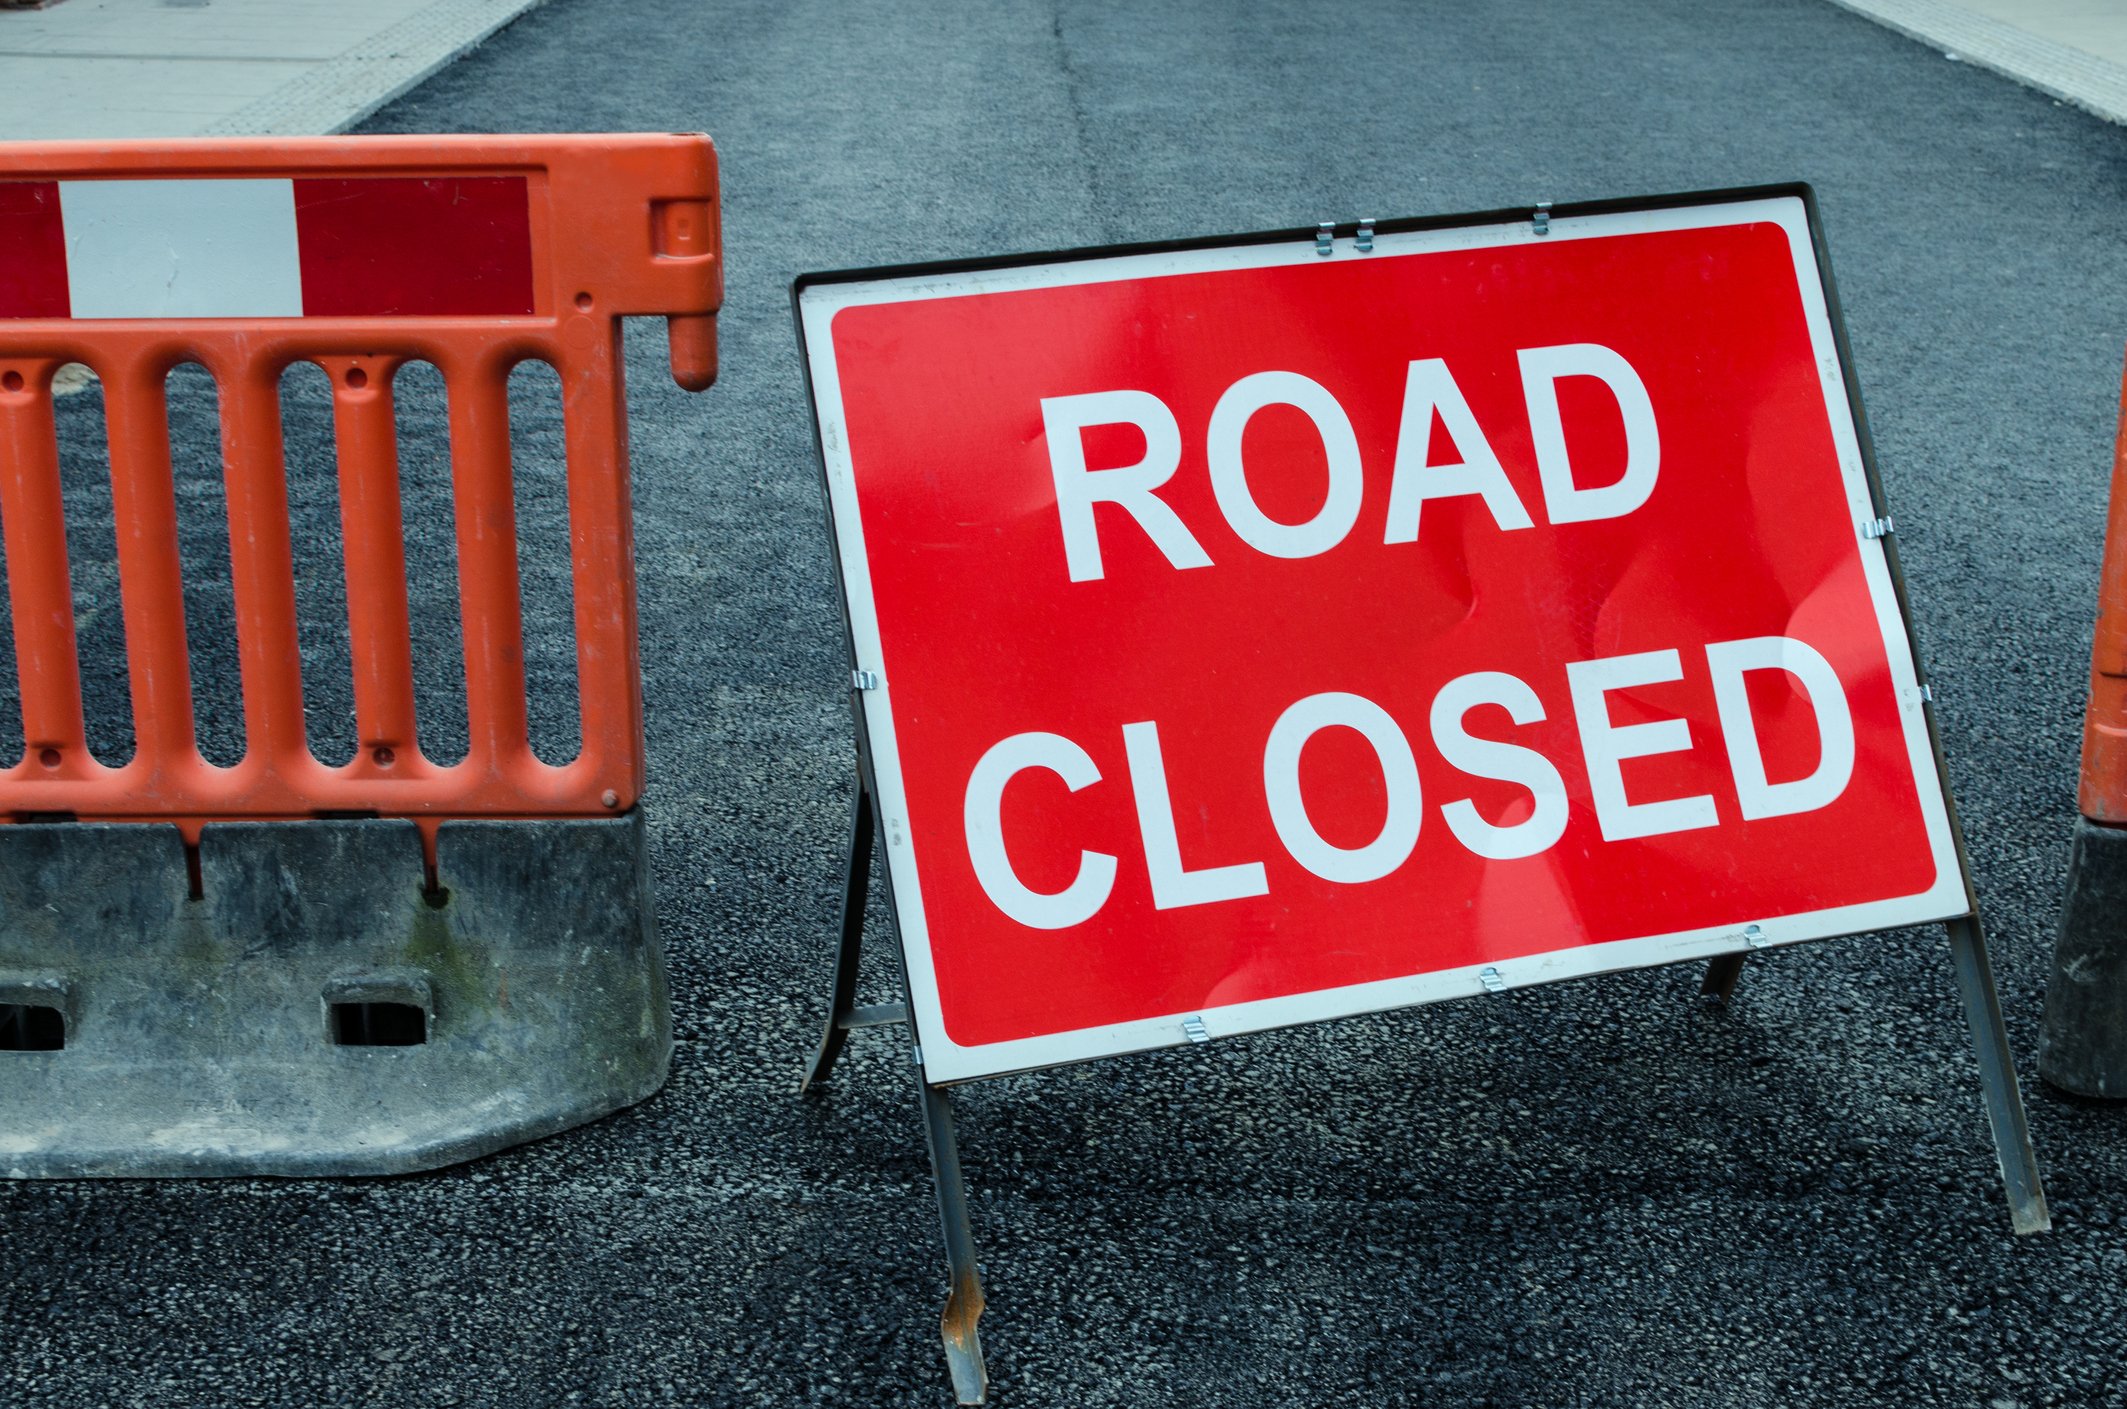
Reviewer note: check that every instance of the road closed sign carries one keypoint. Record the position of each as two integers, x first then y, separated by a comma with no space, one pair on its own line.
1262,631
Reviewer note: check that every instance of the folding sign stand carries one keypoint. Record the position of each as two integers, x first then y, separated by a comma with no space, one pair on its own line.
963,1304
1016,648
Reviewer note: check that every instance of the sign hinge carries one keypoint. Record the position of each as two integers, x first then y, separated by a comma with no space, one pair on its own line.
1754,937
1193,1028
1489,977
1325,237
1878,528
1365,242
1927,694
1540,222
864,680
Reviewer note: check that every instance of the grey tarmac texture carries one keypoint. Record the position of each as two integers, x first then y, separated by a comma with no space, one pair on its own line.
1594,1195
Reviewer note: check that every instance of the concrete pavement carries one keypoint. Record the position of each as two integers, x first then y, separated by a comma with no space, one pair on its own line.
2074,50
189,68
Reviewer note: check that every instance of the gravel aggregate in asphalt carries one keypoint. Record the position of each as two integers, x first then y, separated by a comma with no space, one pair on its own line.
1592,1195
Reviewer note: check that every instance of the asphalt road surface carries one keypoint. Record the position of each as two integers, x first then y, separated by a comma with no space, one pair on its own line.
1597,1194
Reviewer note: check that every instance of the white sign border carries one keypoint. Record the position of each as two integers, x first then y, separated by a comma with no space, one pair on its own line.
946,1061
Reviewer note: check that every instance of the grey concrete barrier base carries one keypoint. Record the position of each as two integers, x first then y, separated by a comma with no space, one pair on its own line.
316,1011
2083,1044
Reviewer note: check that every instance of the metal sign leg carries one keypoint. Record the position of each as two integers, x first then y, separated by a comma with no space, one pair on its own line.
963,1304
1721,976
1997,1078
842,1010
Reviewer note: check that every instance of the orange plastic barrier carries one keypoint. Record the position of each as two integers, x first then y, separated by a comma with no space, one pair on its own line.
2104,785
472,253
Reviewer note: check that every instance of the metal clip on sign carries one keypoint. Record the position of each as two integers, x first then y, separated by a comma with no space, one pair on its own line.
406,902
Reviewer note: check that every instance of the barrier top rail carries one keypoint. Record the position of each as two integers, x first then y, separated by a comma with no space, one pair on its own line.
360,255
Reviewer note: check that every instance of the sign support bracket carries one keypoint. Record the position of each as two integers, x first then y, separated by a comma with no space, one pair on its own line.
1997,1077
965,1300
1721,976
842,1008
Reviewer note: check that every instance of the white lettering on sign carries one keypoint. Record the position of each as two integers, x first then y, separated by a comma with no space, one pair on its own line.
1429,388
1510,763
1288,810
1730,661
1608,745
1605,747
1566,502
1172,886
984,820
1064,420
1229,478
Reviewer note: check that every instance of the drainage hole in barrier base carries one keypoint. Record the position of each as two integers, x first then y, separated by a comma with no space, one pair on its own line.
378,1025
29,1027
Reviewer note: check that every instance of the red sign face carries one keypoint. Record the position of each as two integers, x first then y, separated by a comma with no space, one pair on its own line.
1263,636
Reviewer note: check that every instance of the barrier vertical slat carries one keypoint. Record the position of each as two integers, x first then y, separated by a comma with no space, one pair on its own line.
490,610
150,570
261,564
373,533
601,540
40,590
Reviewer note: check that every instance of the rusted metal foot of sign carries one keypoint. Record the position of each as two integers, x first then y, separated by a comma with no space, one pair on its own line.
963,1304
964,1301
